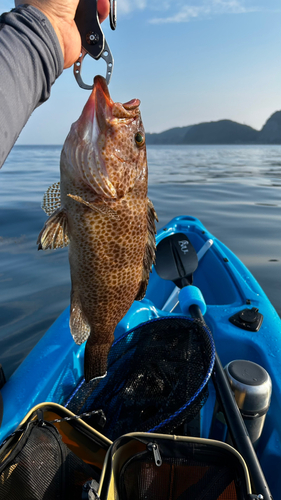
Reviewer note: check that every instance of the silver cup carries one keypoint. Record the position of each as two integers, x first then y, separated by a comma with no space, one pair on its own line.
251,385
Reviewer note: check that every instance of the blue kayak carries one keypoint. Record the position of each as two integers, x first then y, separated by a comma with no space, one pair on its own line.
243,322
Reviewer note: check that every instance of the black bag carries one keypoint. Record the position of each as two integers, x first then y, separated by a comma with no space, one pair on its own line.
49,461
159,467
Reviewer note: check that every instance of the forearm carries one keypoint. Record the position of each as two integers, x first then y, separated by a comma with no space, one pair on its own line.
30,61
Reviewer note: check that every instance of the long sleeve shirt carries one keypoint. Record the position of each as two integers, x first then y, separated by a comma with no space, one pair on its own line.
30,61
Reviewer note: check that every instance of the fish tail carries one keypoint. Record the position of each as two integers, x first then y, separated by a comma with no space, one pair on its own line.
95,361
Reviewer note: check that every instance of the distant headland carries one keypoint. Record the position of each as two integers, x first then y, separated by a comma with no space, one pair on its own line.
221,132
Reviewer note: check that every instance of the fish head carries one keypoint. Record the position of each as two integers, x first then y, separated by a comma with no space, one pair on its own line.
105,148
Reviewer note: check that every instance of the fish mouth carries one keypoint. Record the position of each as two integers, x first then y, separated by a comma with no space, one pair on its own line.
99,105
102,92
101,85
102,109
106,108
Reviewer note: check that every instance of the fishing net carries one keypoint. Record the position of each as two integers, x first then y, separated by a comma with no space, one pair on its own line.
156,380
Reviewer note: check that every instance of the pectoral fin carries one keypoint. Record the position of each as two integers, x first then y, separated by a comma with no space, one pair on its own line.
54,233
96,207
149,254
79,327
51,199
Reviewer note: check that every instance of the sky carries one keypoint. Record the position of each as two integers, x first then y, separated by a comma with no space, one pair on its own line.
188,61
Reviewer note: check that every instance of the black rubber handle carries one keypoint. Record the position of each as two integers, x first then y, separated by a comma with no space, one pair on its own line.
88,24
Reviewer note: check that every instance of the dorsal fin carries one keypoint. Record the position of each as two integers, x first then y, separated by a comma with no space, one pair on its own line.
51,199
149,254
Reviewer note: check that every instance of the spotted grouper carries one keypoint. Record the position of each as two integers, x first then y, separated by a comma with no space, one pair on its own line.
101,210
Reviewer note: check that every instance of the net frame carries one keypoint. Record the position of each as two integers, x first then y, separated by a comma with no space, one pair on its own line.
79,400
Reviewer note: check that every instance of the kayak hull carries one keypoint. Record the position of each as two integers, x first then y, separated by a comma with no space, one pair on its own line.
54,368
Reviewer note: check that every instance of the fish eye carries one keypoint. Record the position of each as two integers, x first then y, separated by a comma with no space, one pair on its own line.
140,140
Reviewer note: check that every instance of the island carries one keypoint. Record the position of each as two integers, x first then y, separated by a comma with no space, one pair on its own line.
221,132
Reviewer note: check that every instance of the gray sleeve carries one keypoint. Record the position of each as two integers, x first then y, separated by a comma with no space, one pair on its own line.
30,61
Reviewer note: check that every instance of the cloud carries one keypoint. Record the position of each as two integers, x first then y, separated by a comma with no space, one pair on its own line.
126,6
206,9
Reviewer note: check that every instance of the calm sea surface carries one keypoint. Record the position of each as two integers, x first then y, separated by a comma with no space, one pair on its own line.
234,190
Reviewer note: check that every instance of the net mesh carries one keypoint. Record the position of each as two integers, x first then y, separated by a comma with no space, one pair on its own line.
178,479
43,468
156,380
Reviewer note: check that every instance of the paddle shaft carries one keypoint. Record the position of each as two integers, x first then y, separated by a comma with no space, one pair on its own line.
235,421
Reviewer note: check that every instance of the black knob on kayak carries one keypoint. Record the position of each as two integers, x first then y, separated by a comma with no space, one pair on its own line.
248,319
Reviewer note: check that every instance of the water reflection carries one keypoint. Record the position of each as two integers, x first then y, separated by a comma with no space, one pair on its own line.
206,164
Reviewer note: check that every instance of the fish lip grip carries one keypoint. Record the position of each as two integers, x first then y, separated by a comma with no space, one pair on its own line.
93,39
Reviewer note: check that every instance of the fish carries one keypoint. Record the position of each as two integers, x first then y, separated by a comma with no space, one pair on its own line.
101,211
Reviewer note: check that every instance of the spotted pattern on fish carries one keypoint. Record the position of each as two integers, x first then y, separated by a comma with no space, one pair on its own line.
107,218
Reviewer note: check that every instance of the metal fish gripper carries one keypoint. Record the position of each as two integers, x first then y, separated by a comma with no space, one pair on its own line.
93,39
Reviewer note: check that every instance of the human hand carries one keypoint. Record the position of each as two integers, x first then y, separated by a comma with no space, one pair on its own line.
61,14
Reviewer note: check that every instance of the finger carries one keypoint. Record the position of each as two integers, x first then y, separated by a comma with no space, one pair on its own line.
103,9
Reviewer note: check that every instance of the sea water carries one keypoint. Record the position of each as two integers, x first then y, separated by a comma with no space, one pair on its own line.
234,190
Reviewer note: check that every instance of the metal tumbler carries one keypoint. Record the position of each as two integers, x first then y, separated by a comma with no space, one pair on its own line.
251,385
